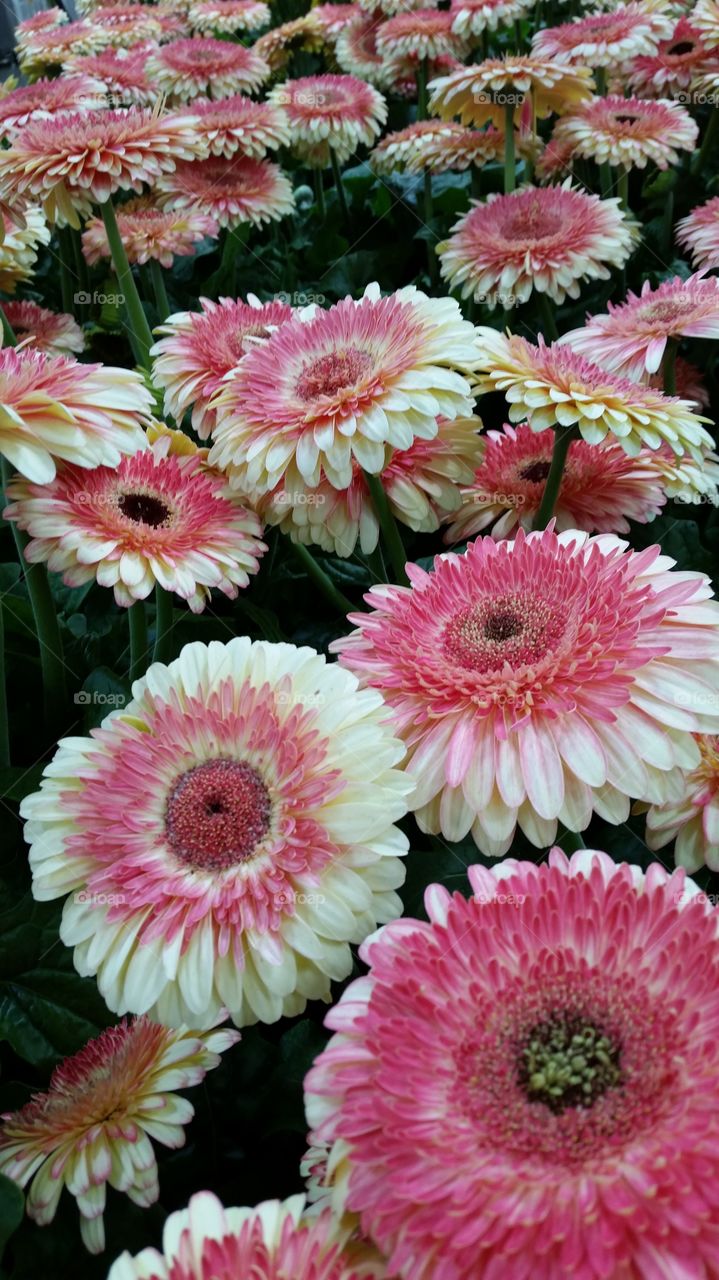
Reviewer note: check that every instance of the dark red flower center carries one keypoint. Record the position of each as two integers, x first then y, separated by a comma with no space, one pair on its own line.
518,628
334,372
217,813
535,472
144,508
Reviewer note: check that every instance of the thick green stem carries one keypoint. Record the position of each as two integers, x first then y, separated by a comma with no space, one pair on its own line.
139,651
321,580
563,437
338,187
605,180
549,324
623,187
4,729
669,367
510,168
162,302
163,624
421,79
702,155
79,259
668,223
69,285
600,78
320,193
390,533
432,265
141,334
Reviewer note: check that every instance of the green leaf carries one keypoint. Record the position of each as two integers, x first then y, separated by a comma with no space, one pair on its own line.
12,1208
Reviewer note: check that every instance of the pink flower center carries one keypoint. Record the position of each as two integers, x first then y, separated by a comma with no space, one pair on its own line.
145,508
329,374
531,222
217,814
518,628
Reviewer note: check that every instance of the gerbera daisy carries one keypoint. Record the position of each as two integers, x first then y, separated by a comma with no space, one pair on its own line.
436,145
239,124
525,1085
693,821
122,76
338,386
424,33
127,24
201,347
390,7
699,234
631,337
228,16
473,17
46,99
356,50
550,239
606,39
155,518
539,680
690,384
304,33
421,483
687,479
76,160
35,326
203,67
401,71
483,92
19,246
705,17
276,1239
672,68
551,385
48,49
93,1126
602,488
335,17
628,131
254,792
242,189
555,161
53,407
44,20
330,114
149,233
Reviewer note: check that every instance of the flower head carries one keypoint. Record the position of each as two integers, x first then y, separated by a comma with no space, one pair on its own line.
199,348
699,234
602,487
473,17
44,330
201,66
52,407
305,33
127,24
436,145
628,131
231,828
337,386
335,17
549,239
551,385
149,233
239,124
674,65
276,1239
73,161
232,191
93,1126
329,113
122,75
156,518
424,33
19,246
705,17
357,53
481,93
46,99
46,50
631,337
228,16
693,819
533,1058
606,39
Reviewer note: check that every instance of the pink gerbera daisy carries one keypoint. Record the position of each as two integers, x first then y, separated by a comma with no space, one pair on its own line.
200,348
699,234
332,387
228,16
473,17
46,99
549,239
390,7
631,337
149,233
234,191
705,17
278,1239
127,24
356,50
541,680
121,74
672,68
239,124
253,790
424,33
554,163
53,407
43,20
524,1087
606,39
93,1126
19,246
330,114
628,131
693,820
602,488
155,518
335,17
44,330
74,161
48,49
204,67
436,145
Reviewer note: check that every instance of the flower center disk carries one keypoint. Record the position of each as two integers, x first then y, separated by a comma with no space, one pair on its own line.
329,374
217,813
144,508
519,628
568,1063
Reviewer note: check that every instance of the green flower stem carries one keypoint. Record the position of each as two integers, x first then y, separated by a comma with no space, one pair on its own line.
8,336
669,367
390,533
321,579
702,155
163,624
69,284
600,78
139,651
421,79
320,194
510,167
141,334
4,729
563,437
668,223
623,187
549,324
605,180
432,264
79,259
338,186
157,276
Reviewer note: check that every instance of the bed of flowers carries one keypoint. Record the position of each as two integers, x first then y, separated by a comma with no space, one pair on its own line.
359,654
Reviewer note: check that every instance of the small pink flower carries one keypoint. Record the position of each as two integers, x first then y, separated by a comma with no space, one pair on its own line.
149,233
605,39
329,113
202,66
232,191
44,330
